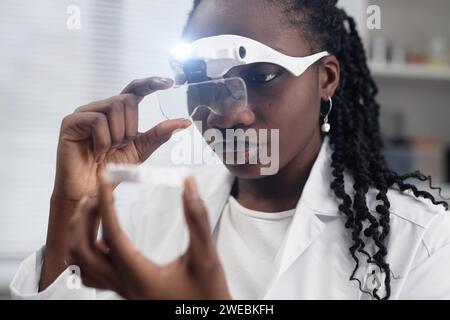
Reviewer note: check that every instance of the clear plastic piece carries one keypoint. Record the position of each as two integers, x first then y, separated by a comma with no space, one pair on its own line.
197,100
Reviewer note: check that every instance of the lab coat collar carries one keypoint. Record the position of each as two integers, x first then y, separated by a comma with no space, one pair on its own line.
317,200
316,195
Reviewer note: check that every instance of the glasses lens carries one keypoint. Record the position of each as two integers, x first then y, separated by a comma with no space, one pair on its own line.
198,100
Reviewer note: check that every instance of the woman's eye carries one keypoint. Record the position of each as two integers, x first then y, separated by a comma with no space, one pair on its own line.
264,77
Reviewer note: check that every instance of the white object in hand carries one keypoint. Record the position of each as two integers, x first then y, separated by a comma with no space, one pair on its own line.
118,173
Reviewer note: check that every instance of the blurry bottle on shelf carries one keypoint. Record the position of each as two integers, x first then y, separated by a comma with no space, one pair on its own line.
379,49
409,154
383,52
392,124
438,51
430,157
426,155
397,149
416,57
398,55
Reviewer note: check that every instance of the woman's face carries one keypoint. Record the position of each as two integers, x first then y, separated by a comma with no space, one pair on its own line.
276,99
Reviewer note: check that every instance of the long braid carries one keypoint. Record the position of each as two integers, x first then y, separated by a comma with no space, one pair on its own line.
355,139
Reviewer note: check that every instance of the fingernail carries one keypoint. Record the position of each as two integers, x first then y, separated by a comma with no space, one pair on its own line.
191,188
187,122
165,81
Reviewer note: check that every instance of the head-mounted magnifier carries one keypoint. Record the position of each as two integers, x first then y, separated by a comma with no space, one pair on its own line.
200,68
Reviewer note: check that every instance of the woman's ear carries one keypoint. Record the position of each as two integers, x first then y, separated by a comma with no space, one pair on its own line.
329,72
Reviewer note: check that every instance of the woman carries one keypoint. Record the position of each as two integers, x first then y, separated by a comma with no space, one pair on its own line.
334,223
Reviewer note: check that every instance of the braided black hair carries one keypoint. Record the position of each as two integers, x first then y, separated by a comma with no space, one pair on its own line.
355,138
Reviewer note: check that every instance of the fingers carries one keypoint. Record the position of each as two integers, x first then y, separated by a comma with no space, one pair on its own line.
80,126
120,249
113,235
114,122
143,87
201,251
122,117
137,89
131,113
95,269
146,143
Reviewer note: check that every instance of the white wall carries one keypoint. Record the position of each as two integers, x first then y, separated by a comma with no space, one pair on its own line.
47,71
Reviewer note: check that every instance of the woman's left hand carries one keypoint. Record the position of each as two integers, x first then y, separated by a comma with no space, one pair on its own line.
113,263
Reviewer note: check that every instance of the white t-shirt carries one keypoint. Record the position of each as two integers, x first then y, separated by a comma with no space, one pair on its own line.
247,243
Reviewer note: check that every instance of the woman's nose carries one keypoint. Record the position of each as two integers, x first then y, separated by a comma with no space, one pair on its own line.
242,118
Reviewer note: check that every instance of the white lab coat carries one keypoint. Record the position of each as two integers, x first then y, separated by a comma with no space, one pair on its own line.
313,261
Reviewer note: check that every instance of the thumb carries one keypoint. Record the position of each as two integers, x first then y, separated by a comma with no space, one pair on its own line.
146,143
201,250
113,235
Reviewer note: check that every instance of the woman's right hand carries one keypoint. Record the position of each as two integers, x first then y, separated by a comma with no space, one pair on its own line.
103,132
96,134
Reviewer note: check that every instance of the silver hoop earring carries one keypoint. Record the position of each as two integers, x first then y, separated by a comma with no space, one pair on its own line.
326,127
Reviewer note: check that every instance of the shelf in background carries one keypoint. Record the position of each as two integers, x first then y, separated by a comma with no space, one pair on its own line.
408,71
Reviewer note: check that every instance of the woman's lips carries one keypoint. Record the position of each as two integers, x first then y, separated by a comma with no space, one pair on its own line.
232,146
234,152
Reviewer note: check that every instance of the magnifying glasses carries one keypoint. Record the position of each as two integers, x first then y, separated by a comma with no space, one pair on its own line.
196,100
195,95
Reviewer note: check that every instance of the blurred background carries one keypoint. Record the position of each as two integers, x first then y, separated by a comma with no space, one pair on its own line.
49,67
